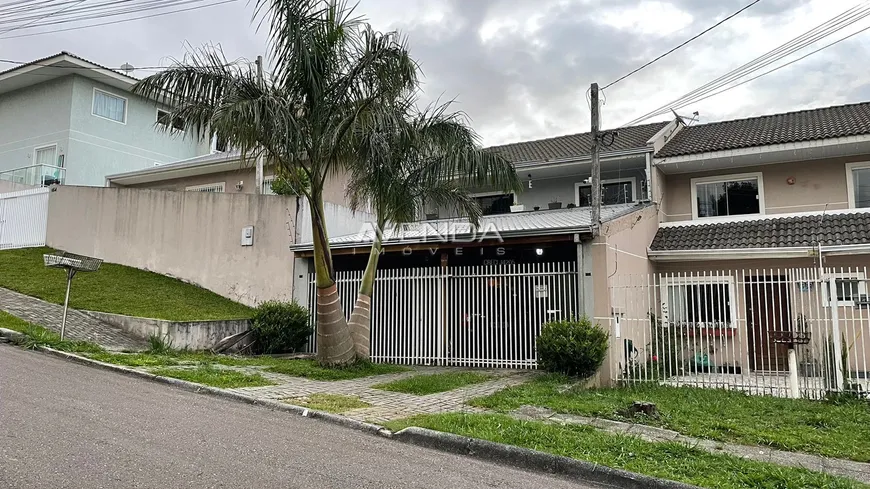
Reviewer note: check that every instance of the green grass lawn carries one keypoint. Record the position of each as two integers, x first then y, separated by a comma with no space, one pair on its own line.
310,369
213,376
332,403
834,430
666,460
115,289
430,384
39,336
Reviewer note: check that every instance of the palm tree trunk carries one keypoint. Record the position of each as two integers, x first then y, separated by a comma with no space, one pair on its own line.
360,319
334,343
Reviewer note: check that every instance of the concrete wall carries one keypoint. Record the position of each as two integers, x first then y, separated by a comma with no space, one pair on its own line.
618,256
191,335
819,184
194,236
100,147
34,117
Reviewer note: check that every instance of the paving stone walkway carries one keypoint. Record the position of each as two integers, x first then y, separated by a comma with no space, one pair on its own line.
386,405
78,325
844,468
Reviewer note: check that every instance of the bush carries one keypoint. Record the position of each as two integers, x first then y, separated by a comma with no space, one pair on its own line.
280,327
573,347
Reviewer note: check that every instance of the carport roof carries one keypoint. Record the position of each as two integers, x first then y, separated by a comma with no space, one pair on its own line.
513,225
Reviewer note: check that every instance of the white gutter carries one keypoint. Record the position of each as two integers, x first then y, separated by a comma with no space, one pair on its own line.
755,253
530,165
664,161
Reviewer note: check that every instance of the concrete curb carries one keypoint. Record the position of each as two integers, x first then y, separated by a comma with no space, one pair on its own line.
528,459
499,453
12,336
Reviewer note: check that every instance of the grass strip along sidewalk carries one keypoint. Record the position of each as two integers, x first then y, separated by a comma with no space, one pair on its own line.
671,461
832,429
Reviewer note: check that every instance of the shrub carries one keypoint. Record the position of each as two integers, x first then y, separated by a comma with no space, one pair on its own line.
572,347
280,327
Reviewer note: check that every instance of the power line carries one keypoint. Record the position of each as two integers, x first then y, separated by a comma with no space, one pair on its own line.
197,7
826,46
40,18
696,36
808,38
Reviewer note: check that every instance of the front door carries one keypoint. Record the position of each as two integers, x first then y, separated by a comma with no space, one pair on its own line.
768,312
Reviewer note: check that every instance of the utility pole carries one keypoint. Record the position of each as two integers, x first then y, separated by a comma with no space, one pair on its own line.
259,174
596,163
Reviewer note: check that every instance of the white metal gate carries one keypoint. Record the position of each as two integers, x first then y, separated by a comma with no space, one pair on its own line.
783,332
480,316
23,218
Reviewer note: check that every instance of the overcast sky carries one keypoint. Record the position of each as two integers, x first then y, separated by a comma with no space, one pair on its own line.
520,68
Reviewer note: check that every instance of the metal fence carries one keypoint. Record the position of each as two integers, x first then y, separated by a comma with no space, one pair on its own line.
478,316
23,218
783,332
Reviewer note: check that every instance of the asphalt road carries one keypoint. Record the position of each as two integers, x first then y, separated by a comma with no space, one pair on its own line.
64,425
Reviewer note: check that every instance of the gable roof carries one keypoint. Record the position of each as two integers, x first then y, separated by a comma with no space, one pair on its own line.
789,127
833,229
60,65
576,145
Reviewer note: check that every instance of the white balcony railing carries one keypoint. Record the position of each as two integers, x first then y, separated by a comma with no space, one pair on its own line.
35,175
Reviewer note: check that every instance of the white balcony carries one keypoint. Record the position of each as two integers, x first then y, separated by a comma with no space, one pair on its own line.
34,176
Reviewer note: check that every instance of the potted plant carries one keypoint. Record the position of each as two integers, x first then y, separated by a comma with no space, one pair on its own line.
554,204
537,208
517,207
431,216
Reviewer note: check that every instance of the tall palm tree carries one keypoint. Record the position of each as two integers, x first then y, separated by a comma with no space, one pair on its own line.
407,159
329,69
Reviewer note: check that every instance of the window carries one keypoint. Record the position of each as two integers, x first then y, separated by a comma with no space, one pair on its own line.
858,183
163,120
731,195
110,106
47,155
617,191
851,287
698,303
267,185
209,187
495,203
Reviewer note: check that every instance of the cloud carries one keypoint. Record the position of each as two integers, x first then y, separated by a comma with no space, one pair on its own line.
521,69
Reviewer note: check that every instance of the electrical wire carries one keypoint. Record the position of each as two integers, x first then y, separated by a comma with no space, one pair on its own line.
696,36
100,11
833,25
41,18
119,21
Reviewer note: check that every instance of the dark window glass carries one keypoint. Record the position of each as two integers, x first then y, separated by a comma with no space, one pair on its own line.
861,182
163,119
611,193
728,198
495,204
700,303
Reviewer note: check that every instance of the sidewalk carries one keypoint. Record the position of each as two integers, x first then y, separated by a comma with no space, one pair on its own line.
78,325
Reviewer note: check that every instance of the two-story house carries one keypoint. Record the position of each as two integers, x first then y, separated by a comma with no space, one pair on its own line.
68,120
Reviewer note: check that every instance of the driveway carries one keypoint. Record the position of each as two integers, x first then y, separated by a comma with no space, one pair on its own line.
64,425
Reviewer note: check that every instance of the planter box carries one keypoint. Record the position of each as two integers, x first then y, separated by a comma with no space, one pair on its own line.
554,205
517,208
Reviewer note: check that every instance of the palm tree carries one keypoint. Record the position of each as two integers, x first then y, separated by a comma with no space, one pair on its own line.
329,68
407,159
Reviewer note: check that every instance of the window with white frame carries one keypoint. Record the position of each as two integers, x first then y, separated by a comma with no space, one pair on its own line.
613,191
109,106
858,179
728,195
698,302
163,119
267,185
851,287
46,155
209,187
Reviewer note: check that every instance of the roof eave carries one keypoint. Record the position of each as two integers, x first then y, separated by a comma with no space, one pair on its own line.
755,253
